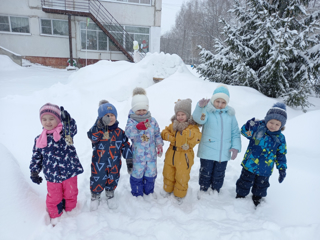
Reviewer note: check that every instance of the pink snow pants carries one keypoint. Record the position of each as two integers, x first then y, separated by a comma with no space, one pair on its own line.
67,190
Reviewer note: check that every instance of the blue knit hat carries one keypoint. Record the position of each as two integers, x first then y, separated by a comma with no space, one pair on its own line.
278,112
221,92
106,107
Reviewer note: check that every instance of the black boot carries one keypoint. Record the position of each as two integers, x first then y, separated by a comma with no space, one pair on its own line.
256,200
239,196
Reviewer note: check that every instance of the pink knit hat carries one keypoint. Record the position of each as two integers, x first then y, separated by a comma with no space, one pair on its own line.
51,109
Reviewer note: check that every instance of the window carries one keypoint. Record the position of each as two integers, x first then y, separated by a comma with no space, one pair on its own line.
146,2
54,27
139,34
14,24
95,39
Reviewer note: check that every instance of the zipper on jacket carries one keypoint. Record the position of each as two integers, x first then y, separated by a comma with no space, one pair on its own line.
221,135
174,149
187,160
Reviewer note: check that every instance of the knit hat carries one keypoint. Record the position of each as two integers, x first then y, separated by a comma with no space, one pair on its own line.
106,107
221,92
139,100
51,109
278,112
183,106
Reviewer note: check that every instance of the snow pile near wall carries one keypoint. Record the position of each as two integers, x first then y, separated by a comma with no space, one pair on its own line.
6,64
103,77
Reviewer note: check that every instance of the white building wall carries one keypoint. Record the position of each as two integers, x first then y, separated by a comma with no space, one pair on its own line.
35,44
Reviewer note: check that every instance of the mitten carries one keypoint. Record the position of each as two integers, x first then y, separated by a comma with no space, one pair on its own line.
250,123
159,150
203,102
234,153
282,175
106,120
35,178
65,116
143,125
100,124
129,165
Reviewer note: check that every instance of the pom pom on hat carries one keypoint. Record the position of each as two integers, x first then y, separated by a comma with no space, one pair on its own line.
221,91
51,109
278,112
139,100
105,107
183,106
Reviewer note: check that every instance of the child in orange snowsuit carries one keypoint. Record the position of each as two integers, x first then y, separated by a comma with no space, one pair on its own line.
183,134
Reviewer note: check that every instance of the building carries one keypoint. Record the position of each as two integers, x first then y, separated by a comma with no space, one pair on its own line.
38,30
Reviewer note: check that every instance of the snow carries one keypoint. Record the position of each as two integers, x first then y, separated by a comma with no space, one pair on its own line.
290,211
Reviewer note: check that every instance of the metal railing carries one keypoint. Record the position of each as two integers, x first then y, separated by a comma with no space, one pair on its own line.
100,15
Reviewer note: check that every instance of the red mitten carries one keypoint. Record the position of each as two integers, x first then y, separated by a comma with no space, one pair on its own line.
141,126
159,150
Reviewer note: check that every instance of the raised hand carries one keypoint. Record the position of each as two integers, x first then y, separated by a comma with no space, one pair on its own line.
65,116
203,102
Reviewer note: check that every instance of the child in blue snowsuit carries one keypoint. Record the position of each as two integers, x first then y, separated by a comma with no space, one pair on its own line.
109,142
267,147
144,132
220,140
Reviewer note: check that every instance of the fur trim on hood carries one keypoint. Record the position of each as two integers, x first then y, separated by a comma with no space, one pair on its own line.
181,126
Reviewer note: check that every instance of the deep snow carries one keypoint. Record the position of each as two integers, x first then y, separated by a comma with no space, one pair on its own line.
290,211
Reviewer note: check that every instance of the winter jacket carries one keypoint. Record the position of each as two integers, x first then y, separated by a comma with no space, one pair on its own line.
191,136
106,150
265,148
144,143
58,160
220,132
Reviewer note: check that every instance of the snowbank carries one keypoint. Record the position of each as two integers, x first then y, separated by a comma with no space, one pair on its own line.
6,64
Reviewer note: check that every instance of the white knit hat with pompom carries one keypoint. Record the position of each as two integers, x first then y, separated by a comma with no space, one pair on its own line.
139,100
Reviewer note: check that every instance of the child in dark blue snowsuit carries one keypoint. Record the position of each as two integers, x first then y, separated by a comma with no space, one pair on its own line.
267,147
109,142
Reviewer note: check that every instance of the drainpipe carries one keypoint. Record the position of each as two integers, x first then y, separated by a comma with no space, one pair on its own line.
70,40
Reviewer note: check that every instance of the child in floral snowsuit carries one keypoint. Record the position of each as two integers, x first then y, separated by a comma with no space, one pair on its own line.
267,147
144,132
109,142
54,153
183,134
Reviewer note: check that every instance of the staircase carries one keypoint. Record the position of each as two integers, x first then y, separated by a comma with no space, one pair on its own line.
99,15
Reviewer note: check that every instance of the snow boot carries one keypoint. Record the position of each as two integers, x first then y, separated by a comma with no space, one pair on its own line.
111,201
201,194
179,200
239,196
54,221
164,194
256,200
95,201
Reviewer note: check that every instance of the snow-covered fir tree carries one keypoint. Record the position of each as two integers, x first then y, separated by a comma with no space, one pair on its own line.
275,48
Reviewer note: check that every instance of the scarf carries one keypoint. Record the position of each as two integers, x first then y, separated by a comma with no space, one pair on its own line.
139,118
42,140
113,127
179,126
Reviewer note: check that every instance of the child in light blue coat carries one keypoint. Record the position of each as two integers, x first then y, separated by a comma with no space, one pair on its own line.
220,140
144,132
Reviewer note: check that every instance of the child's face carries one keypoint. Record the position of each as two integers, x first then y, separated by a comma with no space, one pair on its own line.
219,103
112,119
49,122
273,125
181,117
141,112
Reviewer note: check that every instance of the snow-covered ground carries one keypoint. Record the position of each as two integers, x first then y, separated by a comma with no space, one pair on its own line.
290,211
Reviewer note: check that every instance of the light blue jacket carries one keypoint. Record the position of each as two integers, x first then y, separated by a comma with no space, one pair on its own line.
220,132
